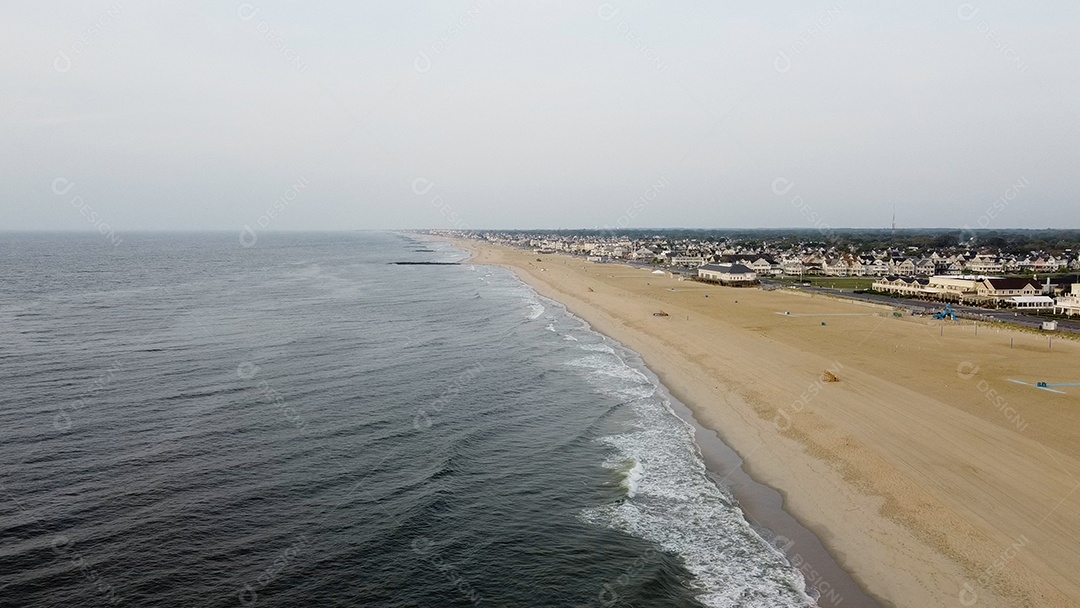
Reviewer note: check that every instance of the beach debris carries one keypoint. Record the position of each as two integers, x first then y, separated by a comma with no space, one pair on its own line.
590,289
660,313
828,376
823,323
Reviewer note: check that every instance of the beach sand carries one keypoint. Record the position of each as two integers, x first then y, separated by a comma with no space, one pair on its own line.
928,476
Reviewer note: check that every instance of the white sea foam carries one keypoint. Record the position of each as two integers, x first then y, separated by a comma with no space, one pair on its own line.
536,309
631,479
671,501
611,376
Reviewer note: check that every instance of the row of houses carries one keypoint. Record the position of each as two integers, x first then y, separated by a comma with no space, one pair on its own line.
767,259
934,264
878,263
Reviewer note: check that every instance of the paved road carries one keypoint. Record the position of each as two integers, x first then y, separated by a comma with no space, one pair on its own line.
968,312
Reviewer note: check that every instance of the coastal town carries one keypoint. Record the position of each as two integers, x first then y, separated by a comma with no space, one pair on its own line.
965,272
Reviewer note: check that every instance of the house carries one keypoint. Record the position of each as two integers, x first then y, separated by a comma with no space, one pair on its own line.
793,267
954,267
766,266
686,260
926,267
644,254
727,274
876,267
902,266
855,267
836,267
984,264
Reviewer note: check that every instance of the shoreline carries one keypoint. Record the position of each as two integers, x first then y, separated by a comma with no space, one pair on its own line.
911,471
762,506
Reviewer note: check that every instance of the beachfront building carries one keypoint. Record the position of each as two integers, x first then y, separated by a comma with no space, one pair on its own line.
728,274
997,290
937,287
1069,304
953,288
911,287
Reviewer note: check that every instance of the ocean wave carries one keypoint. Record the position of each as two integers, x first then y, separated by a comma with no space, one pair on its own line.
599,347
610,375
536,309
670,500
631,476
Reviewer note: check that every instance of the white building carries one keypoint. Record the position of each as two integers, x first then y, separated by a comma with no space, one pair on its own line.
728,274
1031,302
686,260
1069,304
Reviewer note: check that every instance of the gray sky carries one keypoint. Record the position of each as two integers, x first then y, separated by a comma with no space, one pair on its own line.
538,114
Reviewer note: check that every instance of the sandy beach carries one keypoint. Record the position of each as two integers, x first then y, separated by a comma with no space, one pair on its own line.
929,476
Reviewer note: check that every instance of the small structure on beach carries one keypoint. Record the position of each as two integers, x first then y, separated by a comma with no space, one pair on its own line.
828,376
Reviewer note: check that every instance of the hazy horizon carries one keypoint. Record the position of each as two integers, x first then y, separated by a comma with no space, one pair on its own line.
489,115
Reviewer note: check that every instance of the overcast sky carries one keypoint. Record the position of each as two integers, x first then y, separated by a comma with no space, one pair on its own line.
356,115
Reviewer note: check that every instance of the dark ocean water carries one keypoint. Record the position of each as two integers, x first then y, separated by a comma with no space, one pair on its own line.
188,422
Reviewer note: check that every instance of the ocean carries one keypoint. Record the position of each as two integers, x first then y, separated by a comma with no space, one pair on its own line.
189,421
